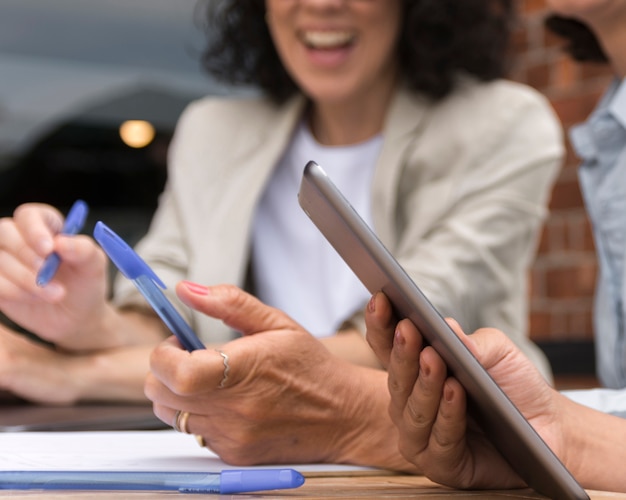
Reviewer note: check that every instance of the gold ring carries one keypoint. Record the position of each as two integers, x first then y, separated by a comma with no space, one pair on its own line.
200,440
180,421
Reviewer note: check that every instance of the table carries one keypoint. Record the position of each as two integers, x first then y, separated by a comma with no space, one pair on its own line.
379,487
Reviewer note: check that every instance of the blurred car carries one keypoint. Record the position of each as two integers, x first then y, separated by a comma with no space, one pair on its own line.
72,72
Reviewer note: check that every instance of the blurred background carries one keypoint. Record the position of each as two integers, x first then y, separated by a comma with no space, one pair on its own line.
89,96
564,273
90,92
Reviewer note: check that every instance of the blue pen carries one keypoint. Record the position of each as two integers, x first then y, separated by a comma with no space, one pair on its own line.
74,222
225,482
134,268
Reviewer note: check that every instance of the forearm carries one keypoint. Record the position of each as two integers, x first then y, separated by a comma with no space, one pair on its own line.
116,375
594,449
43,374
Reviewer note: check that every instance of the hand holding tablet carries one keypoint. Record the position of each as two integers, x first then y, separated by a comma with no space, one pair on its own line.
502,422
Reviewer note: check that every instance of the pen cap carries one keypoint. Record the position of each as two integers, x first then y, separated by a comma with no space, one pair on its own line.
76,217
123,256
241,481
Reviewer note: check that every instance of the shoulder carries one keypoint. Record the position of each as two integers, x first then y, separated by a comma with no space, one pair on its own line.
219,127
484,131
498,102
217,113
483,117
480,110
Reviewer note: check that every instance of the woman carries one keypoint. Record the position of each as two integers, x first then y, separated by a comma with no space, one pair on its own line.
450,209
402,104
590,443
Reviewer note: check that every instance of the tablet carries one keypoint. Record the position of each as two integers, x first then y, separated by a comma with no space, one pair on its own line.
374,265
18,417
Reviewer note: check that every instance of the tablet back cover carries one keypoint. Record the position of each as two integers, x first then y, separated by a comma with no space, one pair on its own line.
509,431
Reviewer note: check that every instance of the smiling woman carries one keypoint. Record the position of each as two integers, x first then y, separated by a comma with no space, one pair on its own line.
342,59
403,104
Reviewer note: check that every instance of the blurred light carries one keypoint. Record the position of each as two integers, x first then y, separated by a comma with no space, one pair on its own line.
137,133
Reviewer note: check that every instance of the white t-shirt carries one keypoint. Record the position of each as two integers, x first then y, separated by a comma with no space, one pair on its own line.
295,268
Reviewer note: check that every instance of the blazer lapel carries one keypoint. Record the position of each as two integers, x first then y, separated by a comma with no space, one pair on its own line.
406,116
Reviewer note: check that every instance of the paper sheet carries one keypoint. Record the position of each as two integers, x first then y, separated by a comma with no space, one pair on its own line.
163,450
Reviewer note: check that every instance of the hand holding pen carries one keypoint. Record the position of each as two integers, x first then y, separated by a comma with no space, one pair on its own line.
74,222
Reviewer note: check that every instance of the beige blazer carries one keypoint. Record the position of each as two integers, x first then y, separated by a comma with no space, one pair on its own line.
459,195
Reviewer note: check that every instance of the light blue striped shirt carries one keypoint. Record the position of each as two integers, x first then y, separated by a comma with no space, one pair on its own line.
600,142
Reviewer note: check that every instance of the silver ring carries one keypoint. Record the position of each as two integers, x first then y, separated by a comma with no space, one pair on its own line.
226,369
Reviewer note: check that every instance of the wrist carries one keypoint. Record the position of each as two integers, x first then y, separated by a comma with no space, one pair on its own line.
367,435
115,375
115,329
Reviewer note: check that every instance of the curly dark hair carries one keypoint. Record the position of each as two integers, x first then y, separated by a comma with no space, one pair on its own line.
439,40
582,43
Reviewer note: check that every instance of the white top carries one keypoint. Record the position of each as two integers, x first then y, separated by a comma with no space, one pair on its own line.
295,268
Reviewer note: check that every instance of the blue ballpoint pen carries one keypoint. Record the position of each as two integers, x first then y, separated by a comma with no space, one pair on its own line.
134,268
225,482
74,222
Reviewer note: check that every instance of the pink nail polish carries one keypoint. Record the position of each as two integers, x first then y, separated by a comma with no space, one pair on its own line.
196,288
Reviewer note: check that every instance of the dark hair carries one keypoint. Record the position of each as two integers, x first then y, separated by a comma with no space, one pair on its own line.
439,40
582,43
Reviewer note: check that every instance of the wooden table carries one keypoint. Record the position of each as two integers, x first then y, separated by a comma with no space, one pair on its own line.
396,487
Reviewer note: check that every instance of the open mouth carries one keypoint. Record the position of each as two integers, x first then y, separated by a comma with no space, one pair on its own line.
327,40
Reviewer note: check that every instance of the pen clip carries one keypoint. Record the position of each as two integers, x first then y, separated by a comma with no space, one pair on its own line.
76,217
123,256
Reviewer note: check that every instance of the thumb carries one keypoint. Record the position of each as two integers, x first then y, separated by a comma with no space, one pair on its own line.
489,345
237,309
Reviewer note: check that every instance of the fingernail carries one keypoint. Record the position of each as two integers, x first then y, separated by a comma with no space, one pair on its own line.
52,291
45,246
398,338
448,394
371,305
196,288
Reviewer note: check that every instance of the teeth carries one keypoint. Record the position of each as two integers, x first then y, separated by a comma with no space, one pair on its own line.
327,39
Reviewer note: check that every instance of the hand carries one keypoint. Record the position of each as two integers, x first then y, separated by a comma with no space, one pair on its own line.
34,371
286,398
70,310
43,374
429,408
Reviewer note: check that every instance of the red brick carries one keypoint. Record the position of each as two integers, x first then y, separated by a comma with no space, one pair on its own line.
562,278
540,325
570,281
580,323
566,194
539,75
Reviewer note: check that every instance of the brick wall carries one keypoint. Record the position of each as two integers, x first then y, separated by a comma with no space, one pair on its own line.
563,276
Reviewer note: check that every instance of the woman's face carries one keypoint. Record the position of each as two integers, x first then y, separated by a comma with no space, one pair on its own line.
337,49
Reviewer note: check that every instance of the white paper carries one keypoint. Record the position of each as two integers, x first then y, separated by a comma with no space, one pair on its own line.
165,450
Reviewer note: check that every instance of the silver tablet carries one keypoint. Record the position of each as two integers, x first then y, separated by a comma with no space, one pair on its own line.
374,265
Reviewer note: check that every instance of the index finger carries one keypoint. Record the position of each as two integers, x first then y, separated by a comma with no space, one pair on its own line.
38,223
234,307
188,373
380,326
